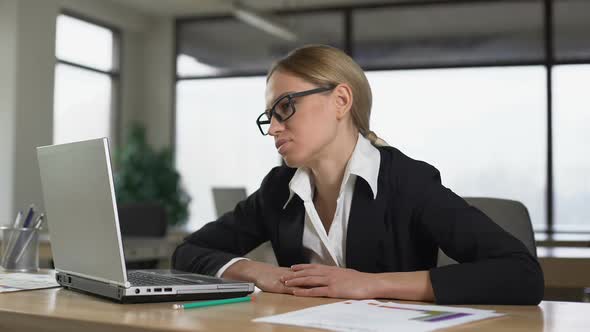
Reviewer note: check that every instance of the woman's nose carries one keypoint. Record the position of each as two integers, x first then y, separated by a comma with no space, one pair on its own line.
275,127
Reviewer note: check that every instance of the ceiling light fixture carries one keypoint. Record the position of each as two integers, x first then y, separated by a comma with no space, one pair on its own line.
262,21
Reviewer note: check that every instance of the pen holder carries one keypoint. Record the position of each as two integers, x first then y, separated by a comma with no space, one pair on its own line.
20,249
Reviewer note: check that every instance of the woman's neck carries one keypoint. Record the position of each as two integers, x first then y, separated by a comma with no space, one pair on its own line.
328,171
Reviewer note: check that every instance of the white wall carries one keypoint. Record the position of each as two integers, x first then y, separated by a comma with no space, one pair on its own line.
131,85
7,96
158,79
27,62
35,51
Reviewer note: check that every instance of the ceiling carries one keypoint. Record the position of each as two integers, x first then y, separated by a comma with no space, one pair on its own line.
204,7
479,32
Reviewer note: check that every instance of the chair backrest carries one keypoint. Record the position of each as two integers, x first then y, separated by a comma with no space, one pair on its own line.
511,215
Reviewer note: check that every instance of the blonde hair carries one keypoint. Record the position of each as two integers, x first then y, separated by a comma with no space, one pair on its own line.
328,66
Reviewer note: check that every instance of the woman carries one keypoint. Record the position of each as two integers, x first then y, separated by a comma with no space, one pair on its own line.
349,217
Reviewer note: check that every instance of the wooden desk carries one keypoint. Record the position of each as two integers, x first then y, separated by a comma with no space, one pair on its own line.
62,310
565,267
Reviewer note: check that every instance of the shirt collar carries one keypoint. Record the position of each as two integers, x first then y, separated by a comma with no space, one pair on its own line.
364,162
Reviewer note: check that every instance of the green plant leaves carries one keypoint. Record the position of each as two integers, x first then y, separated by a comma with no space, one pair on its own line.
144,175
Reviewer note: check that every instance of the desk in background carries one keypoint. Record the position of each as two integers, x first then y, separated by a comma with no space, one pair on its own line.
567,272
136,249
565,267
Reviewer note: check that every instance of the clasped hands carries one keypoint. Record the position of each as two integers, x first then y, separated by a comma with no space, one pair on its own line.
331,281
326,281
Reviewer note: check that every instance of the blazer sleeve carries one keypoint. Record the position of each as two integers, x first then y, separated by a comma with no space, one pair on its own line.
232,235
495,267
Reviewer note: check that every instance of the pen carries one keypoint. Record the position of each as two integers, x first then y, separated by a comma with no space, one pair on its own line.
212,303
19,216
29,217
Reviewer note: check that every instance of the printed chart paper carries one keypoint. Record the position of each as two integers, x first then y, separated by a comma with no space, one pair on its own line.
374,316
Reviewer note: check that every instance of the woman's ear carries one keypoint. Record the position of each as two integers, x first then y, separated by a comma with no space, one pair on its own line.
343,100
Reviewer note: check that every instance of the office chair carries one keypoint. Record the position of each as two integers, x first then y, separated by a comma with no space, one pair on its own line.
511,215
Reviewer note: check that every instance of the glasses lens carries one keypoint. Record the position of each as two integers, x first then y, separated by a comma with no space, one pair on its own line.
283,109
263,123
264,127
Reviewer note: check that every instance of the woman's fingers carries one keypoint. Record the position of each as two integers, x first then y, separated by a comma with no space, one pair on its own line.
300,274
310,281
299,267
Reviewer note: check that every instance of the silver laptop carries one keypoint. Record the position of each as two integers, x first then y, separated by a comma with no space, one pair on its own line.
226,198
85,235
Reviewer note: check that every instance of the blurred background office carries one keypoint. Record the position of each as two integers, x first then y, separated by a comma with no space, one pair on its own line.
494,93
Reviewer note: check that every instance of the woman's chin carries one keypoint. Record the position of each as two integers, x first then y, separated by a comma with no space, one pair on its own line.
292,161
289,162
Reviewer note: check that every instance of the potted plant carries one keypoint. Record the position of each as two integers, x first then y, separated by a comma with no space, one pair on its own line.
144,175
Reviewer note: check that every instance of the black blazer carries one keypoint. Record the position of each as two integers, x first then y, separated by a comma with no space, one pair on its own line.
398,231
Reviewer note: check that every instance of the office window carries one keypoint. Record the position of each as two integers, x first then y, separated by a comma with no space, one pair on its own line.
494,88
484,129
571,147
217,141
86,77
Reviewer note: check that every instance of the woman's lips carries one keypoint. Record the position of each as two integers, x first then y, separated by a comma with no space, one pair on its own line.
280,145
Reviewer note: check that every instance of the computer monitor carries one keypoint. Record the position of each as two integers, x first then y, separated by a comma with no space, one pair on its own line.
226,198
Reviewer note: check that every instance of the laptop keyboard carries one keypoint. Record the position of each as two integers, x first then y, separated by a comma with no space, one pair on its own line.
139,278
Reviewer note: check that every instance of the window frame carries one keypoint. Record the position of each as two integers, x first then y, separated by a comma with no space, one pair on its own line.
114,74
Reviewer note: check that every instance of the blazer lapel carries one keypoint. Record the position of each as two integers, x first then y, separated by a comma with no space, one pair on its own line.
365,229
290,234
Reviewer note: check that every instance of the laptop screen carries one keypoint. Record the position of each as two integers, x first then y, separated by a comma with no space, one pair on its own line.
80,205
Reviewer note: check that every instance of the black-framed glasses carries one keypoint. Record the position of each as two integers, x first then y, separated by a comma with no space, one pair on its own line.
284,108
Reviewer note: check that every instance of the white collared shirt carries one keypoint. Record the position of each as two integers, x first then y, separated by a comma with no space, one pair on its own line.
329,248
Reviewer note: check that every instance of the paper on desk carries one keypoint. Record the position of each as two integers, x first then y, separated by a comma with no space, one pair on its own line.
373,316
14,282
